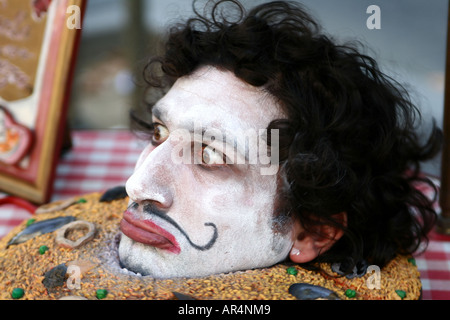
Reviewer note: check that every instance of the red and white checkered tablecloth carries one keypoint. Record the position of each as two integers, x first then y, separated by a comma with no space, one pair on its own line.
100,160
97,161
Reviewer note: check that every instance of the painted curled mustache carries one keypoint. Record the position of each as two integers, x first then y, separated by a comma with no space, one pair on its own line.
152,210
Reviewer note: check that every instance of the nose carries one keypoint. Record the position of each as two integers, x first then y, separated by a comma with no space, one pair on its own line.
153,177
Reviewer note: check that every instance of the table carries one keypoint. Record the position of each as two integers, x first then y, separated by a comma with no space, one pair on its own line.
100,160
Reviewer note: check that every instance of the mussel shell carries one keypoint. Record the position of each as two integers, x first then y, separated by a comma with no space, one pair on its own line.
115,193
182,296
55,277
306,291
39,228
358,271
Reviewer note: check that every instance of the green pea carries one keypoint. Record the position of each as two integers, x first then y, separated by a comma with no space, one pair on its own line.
412,261
292,271
82,200
401,293
30,222
17,293
43,249
350,293
101,293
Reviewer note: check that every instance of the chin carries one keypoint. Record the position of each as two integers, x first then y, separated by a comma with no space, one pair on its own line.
145,260
131,255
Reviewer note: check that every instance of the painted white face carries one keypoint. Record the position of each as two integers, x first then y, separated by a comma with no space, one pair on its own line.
203,216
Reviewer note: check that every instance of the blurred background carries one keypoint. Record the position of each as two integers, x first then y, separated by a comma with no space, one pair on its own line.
119,35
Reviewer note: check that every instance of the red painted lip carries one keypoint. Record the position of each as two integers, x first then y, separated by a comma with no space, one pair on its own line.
146,232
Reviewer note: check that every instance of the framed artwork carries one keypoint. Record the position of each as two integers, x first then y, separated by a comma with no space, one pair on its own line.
38,46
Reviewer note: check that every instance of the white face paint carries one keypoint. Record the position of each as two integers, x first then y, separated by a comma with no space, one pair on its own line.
191,220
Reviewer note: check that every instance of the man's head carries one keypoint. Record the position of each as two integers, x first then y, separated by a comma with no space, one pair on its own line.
268,86
218,211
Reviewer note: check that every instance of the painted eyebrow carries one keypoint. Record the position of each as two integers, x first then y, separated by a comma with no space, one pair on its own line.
158,113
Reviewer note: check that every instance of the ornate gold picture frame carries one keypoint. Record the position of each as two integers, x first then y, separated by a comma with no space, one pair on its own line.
38,45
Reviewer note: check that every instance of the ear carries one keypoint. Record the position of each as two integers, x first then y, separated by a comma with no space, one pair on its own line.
308,246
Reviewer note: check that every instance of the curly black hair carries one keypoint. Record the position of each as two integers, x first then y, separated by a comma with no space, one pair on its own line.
349,142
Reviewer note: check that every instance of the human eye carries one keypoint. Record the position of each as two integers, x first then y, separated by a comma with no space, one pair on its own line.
160,133
153,131
211,157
